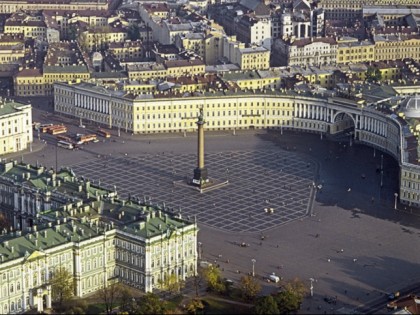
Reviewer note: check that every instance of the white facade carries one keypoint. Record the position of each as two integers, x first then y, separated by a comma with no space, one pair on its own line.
15,126
260,33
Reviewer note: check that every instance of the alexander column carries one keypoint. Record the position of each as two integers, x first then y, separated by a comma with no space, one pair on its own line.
200,178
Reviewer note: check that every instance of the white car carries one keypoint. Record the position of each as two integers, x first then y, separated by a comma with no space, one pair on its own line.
274,278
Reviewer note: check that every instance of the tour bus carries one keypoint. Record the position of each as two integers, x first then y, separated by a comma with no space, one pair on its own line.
64,138
104,133
86,138
55,130
44,128
65,144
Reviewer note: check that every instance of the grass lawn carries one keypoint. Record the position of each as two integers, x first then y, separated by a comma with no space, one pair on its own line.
214,306
97,308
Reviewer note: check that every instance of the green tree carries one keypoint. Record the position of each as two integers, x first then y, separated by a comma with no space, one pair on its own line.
72,32
133,32
373,74
172,284
266,305
195,306
290,298
62,285
150,304
125,298
4,223
249,287
110,295
214,282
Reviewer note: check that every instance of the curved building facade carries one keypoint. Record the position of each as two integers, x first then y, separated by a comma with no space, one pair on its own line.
155,113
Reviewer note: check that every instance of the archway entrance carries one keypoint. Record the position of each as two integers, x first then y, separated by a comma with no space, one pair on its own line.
343,125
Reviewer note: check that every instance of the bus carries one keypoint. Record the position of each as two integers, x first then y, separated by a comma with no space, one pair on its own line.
64,138
55,130
86,138
65,144
44,128
104,133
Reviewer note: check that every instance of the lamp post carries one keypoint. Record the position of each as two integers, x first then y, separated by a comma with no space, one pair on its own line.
395,201
253,266
382,170
199,250
312,286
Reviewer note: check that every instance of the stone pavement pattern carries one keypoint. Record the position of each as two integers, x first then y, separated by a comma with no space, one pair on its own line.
259,179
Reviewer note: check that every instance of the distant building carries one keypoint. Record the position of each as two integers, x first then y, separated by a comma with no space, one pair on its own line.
352,9
12,6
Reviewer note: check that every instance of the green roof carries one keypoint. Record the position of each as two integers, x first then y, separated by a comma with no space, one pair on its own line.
36,242
7,108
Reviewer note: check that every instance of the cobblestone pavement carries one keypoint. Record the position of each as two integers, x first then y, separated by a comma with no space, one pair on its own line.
257,181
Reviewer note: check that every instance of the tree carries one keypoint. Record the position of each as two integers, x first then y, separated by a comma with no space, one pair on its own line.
214,281
290,298
266,305
195,306
172,283
110,294
133,32
249,287
62,285
373,74
125,298
72,32
4,223
150,304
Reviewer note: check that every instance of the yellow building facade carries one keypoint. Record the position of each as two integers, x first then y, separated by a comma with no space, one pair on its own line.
353,51
392,47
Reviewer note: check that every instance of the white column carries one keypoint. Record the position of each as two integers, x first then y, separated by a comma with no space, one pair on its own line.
40,306
23,290
48,297
78,272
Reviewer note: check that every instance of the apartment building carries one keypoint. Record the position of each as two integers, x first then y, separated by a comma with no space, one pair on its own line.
351,50
16,126
30,25
12,6
397,47
351,9
308,52
64,62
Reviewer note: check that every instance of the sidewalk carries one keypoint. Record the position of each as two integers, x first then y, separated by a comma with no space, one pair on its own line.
37,146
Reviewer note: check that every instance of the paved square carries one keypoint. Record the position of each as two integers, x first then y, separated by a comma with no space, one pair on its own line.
261,179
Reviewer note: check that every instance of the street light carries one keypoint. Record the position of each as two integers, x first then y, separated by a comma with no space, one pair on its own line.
253,266
199,249
382,170
395,203
312,286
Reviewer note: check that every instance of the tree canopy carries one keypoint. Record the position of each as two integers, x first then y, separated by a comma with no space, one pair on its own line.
62,285
214,281
249,287
373,74
266,305
290,298
150,304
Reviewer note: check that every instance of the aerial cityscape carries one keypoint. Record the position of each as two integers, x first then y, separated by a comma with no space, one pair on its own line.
209,157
